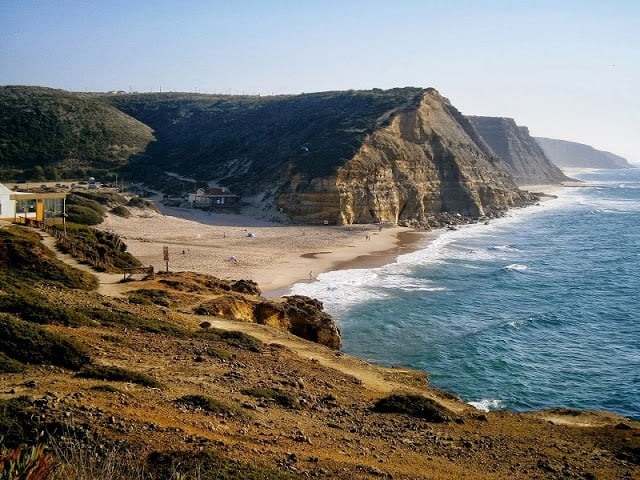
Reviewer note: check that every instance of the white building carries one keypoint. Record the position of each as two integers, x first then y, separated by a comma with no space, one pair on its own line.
7,206
19,206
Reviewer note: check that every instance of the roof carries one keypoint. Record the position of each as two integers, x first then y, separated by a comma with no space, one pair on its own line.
217,192
34,196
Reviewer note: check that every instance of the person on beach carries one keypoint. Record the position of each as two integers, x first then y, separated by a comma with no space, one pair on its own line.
310,274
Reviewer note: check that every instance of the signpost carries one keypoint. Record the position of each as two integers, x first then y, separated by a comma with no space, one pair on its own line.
165,251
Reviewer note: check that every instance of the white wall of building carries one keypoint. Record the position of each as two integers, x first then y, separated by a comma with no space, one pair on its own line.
7,206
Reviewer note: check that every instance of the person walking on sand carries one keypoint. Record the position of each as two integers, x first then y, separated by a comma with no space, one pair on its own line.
310,274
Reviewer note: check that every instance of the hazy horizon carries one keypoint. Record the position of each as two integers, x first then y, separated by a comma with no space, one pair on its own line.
565,71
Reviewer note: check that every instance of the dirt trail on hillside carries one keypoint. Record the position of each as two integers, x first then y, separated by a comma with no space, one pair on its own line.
108,283
374,378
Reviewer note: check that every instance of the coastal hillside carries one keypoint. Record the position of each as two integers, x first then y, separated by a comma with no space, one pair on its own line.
48,134
341,157
160,378
522,156
577,155
404,155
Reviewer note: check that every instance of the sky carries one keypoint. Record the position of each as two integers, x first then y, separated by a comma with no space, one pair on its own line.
566,69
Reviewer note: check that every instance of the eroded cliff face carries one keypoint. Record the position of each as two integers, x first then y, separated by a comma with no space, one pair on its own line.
427,160
522,156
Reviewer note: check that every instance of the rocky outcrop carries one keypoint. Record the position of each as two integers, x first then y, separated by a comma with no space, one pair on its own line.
523,158
300,315
576,155
426,160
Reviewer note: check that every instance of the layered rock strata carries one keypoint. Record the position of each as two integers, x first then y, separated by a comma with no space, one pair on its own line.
523,158
428,160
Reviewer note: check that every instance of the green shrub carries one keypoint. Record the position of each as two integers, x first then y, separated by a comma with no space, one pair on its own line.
241,340
30,306
137,202
414,406
148,296
121,211
208,465
83,215
207,404
108,247
17,421
25,463
24,261
233,338
116,374
29,343
9,365
113,318
106,388
281,398
218,353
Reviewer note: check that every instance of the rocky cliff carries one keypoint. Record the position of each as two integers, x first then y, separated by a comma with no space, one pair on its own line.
400,155
522,156
577,155
427,160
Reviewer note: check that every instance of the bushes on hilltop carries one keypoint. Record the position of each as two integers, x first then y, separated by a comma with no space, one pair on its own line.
49,134
107,247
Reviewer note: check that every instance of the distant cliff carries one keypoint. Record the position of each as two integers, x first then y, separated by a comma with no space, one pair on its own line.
523,157
576,155
427,160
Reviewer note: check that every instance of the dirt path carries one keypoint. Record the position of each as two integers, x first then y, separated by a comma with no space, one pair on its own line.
374,378
108,283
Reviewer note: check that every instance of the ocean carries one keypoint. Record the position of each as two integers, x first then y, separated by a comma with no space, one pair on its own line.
537,309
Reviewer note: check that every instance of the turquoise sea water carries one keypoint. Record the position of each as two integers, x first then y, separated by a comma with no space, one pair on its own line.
538,309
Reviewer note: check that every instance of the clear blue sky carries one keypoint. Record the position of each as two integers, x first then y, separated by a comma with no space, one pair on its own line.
566,69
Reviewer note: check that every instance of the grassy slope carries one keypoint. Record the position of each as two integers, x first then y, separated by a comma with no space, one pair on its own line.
230,406
210,136
44,131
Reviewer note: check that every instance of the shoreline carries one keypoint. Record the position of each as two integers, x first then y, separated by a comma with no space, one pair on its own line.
275,256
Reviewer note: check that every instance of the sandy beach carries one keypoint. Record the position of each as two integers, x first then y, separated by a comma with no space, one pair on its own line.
232,246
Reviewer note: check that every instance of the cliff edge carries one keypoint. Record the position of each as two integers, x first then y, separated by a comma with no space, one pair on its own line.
522,156
577,155
424,160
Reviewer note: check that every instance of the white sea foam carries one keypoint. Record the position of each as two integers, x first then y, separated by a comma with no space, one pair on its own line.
342,289
487,405
504,248
516,267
